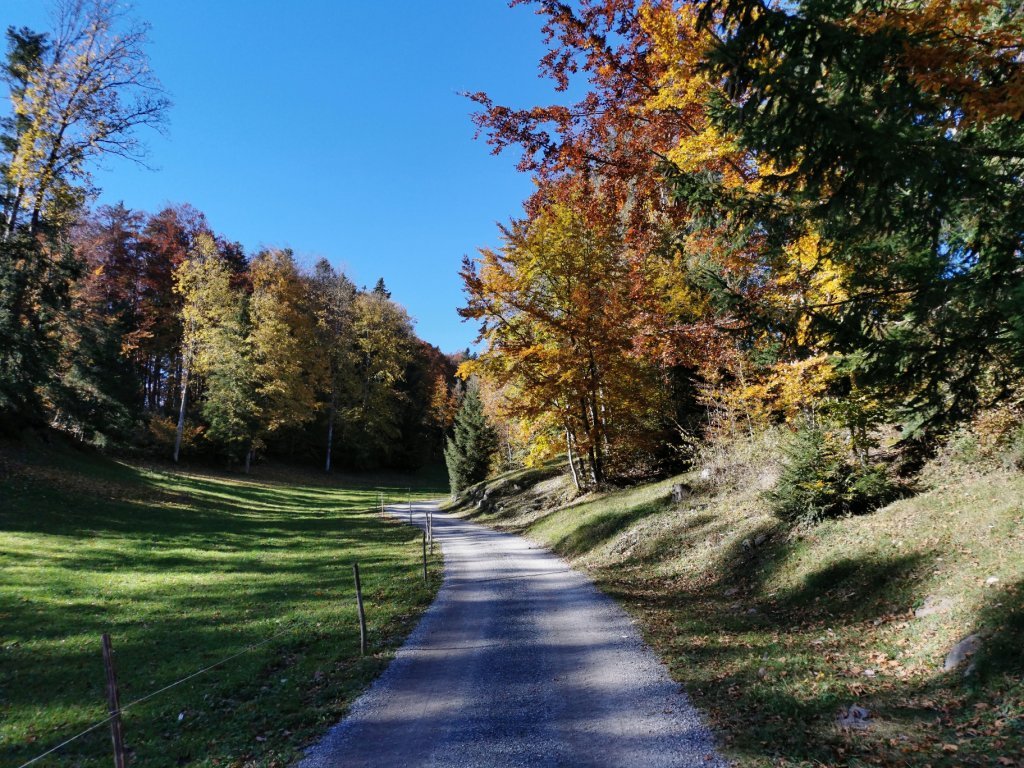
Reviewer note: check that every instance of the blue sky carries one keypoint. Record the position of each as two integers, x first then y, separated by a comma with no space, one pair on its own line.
337,129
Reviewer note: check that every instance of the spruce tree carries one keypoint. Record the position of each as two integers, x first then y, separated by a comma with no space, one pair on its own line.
916,186
468,451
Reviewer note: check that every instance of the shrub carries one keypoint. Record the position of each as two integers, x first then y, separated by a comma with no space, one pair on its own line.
738,461
818,480
162,431
993,441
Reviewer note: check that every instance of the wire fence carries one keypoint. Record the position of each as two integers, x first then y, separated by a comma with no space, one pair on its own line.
153,694
115,714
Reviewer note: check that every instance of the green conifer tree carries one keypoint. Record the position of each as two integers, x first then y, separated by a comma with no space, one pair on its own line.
468,451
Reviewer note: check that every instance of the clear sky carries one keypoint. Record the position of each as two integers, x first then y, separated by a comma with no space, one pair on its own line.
336,128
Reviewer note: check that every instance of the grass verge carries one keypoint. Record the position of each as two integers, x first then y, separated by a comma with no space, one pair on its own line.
774,633
183,570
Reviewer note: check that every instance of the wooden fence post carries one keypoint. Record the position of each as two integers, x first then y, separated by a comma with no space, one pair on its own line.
359,607
424,555
113,703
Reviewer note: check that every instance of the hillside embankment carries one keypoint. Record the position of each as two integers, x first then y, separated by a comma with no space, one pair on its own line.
890,638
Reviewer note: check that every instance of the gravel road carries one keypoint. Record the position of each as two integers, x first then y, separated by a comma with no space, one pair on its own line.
520,661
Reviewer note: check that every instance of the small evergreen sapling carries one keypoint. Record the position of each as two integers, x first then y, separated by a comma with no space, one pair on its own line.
819,480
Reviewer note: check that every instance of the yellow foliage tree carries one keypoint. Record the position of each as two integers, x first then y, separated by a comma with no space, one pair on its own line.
555,308
287,371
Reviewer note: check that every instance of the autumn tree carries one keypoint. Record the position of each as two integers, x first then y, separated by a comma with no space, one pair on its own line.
643,114
332,296
229,404
287,370
203,280
555,310
383,348
98,382
77,94
166,239
445,398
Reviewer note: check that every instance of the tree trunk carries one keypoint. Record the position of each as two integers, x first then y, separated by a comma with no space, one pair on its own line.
154,395
596,474
181,413
605,442
12,221
330,432
174,386
572,462
599,438
597,448
595,468
248,459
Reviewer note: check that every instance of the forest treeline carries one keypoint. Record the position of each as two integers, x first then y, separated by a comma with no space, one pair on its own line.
151,331
758,215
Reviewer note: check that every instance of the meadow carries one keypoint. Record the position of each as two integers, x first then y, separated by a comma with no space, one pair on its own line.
184,569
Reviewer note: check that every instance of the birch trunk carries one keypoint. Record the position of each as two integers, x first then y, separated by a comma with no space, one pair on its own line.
181,413
572,462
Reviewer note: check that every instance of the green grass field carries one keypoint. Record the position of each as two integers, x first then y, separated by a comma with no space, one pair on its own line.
184,569
774,631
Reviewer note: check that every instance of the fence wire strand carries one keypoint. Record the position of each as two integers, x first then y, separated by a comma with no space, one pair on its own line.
157,692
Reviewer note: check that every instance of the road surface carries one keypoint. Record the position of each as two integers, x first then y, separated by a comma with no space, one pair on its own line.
520,661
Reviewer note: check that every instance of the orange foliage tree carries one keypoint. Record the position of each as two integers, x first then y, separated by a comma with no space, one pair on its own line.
555,305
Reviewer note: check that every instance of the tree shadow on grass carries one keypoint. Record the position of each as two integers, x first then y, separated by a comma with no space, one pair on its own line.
86,544
602,527
773,673
1001,620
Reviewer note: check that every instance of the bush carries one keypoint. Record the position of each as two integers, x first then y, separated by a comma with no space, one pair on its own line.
739,461
817,480
162,431
993,441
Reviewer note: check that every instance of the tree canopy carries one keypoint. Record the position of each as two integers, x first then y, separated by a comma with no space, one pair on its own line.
814,209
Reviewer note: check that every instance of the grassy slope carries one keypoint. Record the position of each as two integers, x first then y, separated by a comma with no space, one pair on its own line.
183,570
772,639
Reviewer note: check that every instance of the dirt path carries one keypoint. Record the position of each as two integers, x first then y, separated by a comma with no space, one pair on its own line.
519,662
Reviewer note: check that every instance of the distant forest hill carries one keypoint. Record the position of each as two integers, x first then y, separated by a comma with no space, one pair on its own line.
166,338
153,333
